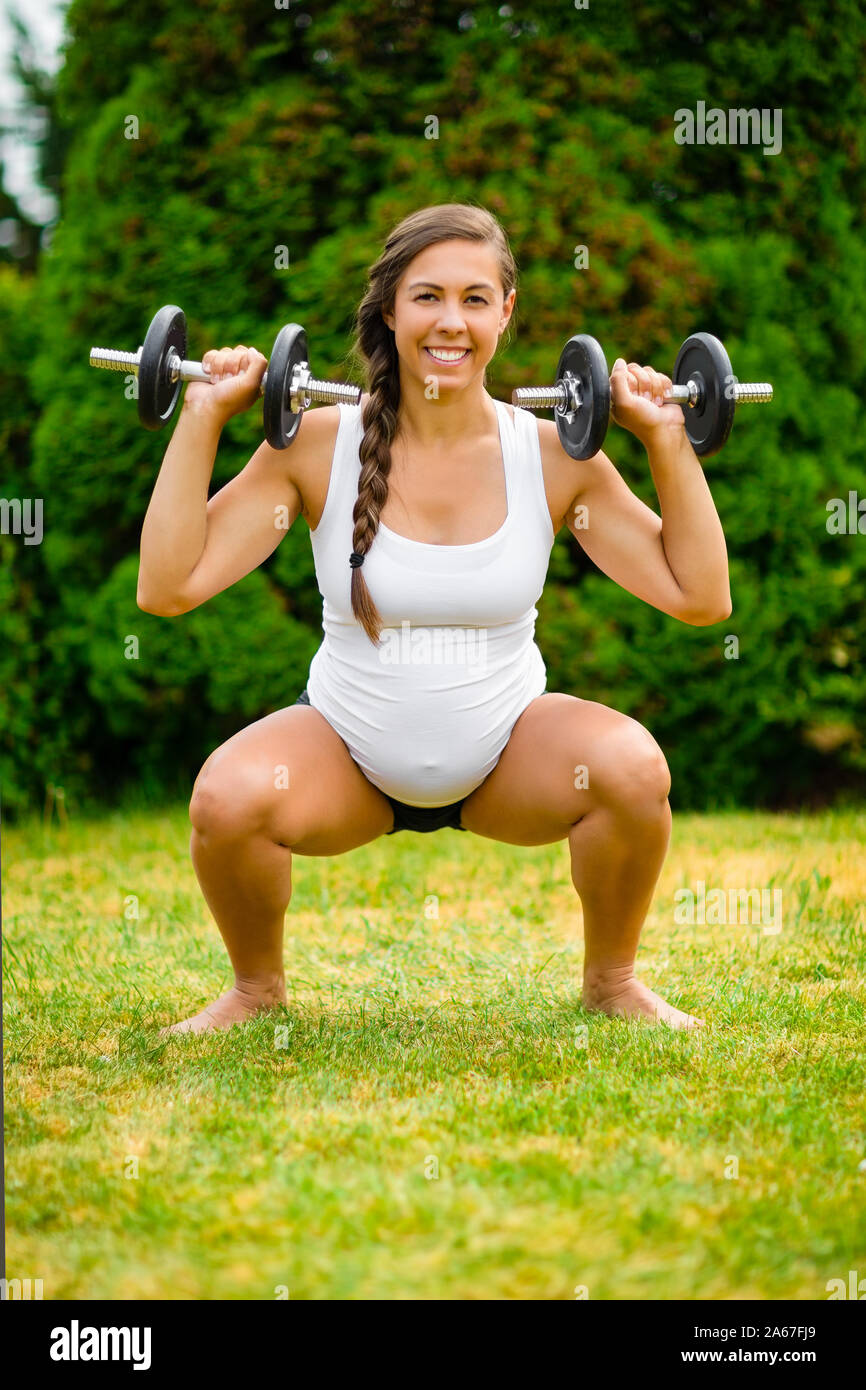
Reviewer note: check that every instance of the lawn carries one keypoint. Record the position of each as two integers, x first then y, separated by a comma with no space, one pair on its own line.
434,1115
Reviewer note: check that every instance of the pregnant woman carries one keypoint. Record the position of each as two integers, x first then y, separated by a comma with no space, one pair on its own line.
432,509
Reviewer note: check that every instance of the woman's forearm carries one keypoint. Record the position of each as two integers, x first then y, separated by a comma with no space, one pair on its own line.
692,535
175,524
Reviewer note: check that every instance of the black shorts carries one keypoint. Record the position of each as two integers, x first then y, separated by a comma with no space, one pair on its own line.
420,818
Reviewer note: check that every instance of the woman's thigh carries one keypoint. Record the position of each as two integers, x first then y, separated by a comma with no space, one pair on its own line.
565,756
290,776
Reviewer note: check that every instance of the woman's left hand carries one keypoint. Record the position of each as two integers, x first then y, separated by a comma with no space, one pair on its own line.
636,395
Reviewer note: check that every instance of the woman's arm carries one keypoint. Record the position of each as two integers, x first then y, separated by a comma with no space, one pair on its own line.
192,548
691,533
678,562
175,524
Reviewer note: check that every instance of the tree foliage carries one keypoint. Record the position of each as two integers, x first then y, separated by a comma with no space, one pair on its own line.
307,127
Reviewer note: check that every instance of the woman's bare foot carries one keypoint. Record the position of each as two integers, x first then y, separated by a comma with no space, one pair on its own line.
615,991
241,1002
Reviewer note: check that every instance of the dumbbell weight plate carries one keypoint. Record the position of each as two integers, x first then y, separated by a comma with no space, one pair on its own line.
702,358
582,432
281,422
157,393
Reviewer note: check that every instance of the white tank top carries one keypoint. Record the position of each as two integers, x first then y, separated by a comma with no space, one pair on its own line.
427,714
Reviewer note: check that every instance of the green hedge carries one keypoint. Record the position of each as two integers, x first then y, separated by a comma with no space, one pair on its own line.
262,127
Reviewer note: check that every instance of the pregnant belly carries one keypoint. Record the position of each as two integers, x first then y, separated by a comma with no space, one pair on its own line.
430,771
430,739
427,748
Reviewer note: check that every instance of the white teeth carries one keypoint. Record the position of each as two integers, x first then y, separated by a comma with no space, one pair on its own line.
453,355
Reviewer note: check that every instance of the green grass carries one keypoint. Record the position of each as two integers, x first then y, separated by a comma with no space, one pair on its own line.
572,1150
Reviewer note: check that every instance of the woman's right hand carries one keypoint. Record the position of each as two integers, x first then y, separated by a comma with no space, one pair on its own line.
236,375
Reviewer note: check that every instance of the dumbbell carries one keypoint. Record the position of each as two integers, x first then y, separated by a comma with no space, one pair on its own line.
704,385
580,398
161,367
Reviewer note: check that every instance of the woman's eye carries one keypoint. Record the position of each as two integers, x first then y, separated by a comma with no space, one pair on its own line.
428,294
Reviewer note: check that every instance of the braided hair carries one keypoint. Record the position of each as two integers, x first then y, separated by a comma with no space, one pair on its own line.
376,347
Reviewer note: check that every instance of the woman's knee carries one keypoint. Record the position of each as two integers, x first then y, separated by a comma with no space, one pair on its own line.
628,768
232,798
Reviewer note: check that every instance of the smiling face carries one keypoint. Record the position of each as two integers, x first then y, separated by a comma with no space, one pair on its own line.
449,313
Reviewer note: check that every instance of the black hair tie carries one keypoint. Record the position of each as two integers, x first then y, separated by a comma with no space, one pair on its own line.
355,559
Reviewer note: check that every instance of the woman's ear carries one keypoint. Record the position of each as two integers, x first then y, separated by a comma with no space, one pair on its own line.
507,309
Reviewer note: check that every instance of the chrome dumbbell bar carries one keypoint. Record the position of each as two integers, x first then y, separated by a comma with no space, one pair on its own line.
703,384
161,366
305,388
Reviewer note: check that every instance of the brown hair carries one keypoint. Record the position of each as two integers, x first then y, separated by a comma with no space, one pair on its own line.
374,346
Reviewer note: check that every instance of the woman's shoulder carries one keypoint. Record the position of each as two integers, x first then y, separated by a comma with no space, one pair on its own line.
563,476
309,458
